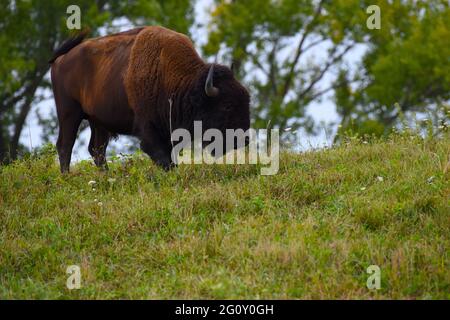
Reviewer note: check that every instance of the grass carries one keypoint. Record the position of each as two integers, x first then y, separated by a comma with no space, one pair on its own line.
310,231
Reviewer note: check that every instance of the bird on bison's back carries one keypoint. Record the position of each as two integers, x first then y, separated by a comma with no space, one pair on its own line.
122,84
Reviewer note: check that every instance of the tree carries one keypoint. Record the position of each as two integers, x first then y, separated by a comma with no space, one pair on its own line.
270,43
293,52
405,71
31,30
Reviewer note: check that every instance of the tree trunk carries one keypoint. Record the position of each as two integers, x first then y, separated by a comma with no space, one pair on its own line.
3,155
25,108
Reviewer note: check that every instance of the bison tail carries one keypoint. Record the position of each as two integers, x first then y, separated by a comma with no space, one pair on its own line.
68,45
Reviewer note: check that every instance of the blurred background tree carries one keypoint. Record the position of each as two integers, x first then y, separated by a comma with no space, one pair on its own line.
292,54
284,50
405,71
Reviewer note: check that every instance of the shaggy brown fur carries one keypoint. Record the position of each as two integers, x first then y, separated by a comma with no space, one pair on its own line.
122,83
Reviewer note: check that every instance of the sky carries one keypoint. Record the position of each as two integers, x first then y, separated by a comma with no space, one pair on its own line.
320,111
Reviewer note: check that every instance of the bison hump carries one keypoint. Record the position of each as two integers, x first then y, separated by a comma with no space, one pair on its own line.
161,62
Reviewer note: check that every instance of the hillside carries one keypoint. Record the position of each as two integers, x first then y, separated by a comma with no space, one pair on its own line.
310,231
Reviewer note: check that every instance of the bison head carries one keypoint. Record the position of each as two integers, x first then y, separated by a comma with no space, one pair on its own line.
225,103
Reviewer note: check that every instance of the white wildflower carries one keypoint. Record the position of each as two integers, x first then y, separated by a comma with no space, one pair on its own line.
363,188
92,183
380,178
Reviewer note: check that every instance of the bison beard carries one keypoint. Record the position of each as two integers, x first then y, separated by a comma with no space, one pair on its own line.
122,85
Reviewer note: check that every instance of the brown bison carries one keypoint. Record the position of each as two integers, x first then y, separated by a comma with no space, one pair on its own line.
122,84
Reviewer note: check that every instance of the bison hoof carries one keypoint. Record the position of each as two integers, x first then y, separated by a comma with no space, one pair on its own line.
166,166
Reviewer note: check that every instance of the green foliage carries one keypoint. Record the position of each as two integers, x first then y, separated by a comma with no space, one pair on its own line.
270,41
406,61
225,232
406,69
363,128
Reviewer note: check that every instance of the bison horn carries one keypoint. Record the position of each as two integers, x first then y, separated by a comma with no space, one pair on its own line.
210,90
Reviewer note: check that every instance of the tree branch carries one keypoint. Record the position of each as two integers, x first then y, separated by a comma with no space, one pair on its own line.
273,67
308,29
325,69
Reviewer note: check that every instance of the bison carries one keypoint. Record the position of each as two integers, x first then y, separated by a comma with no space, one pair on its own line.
130,82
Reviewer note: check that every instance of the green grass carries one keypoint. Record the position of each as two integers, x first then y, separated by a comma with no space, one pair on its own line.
310,231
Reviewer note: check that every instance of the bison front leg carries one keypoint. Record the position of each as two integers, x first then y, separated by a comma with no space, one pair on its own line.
98,144
157,150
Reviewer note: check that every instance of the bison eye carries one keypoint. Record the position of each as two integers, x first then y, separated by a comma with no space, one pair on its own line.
228,107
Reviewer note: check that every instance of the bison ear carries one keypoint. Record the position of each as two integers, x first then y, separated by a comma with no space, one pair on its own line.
210,90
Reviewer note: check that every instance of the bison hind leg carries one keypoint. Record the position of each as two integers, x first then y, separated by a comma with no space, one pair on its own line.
70,116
